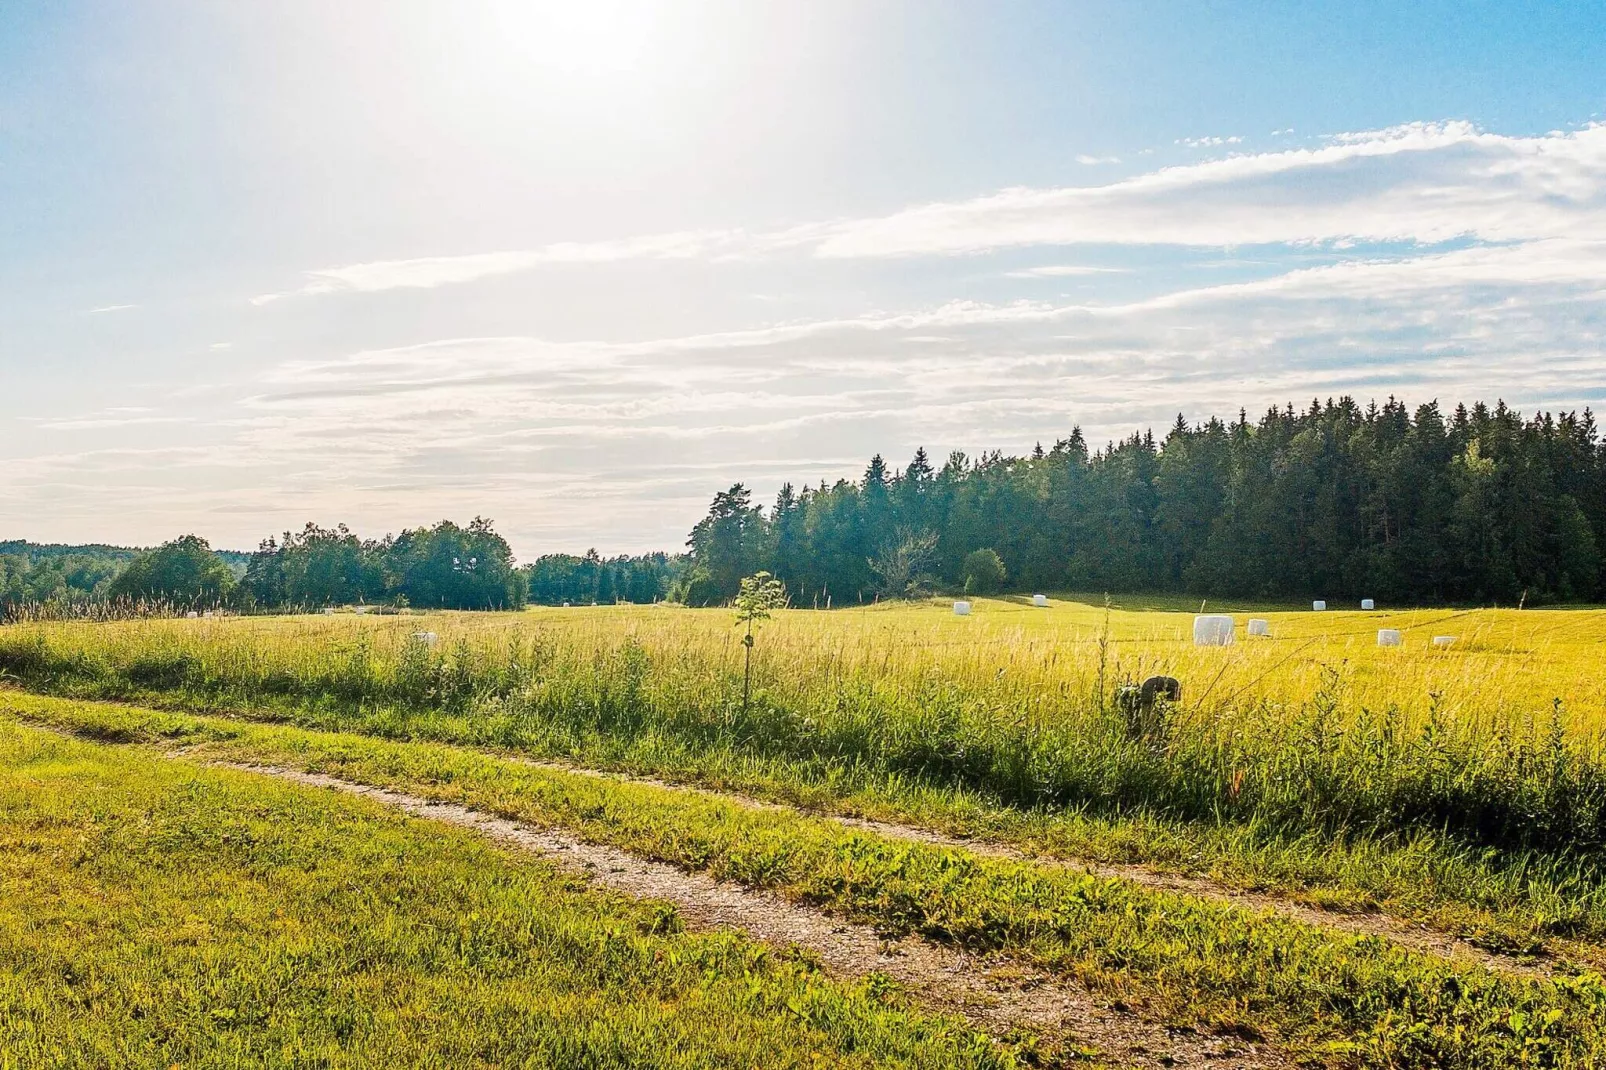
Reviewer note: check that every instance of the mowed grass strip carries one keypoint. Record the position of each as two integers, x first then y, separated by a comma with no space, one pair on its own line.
1343,998
161,914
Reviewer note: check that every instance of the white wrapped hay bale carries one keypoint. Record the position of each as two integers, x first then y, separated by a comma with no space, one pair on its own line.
1389,637
427,638
1039,600
1367,603
961,609
1318,606
1257,626
1212,629
192,615
1443,640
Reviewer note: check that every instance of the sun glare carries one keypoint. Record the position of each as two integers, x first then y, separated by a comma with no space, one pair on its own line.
577,37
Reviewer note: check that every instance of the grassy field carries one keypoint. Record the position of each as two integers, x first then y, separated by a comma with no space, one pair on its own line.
1497,739
1460,787
1314,761
1340,998
160,914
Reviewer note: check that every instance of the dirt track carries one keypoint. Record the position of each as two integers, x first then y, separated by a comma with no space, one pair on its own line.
996,996
1364,924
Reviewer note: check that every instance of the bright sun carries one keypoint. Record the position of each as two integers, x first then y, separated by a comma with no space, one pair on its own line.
578,37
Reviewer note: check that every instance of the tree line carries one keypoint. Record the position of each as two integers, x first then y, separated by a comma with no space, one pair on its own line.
1337,500
441,567
32,573
556,579
47,573
445,566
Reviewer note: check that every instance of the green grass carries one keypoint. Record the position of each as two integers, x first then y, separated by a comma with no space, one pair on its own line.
1184,960
1465,789
159,914
1510,900
1499,741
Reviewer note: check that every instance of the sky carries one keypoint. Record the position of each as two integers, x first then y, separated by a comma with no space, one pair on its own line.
577,266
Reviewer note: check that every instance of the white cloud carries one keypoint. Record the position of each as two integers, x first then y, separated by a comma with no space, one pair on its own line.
109,308
1093,161
1432,260
1571,269
1061,271
1423,183
93,423
428,272
112,416
620,444
1209,142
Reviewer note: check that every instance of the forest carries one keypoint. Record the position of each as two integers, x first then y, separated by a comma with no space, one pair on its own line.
1337,500
1480,506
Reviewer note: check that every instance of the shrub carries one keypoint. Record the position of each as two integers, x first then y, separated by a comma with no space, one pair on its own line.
983,570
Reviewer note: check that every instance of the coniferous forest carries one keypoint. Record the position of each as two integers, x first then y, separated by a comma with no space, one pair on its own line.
1339,500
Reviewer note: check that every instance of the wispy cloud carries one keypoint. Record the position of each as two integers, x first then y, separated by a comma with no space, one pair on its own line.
112,416
96,423
1095,161
428,272
1428,261
1061,271
960,374
620,443
108,308
1564,269
1422,183
1209,142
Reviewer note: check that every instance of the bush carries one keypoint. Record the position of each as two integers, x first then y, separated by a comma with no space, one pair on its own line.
984,571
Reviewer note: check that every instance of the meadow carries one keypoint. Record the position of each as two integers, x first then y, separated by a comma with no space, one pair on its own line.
1460,788
1496,739
161,914
1190,964
1007,717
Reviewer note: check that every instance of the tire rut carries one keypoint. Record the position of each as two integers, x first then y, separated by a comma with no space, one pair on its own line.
1397,930
997,995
